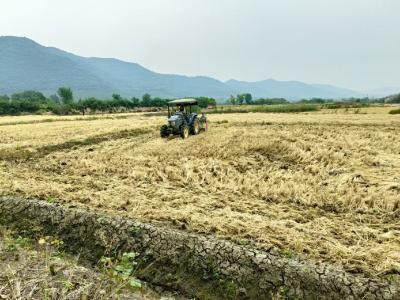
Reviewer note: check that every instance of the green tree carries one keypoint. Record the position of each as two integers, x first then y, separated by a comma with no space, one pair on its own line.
248,98
393,99
66,95
135,102
205,102
146,100
31,96
240,99
27,101
54,98
4,98
116,97
4,105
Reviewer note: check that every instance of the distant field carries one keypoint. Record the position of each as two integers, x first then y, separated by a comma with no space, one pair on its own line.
324,185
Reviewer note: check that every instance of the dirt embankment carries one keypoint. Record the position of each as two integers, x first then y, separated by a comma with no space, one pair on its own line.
200,266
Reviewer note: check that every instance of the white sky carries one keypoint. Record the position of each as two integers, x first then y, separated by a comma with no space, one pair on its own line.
350,43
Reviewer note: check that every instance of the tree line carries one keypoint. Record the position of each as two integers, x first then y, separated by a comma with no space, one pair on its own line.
247,98
63,102
393,99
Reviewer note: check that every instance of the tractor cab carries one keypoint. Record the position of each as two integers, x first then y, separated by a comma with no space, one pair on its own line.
183,107
183,119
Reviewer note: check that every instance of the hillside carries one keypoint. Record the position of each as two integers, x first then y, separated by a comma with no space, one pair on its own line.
26,65
291,89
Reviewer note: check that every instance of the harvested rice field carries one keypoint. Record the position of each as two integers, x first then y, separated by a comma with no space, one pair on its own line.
320,185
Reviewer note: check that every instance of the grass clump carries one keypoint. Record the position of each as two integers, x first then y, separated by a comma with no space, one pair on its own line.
39,270
122,269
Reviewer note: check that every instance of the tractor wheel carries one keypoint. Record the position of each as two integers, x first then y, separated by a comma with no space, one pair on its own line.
164,132
184,131
195,127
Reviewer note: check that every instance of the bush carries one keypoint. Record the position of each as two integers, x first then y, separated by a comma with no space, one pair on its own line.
227,111
205,102
337,105
395,111
289,108
270,101
29,96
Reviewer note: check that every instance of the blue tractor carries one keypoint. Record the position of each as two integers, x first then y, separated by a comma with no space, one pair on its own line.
183,120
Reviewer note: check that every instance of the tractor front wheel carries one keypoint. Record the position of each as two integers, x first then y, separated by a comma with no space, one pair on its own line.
164,131
184,131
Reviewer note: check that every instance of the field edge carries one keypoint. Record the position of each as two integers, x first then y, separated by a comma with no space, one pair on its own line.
200,266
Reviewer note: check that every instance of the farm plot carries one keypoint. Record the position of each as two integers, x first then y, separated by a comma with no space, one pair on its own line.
322,186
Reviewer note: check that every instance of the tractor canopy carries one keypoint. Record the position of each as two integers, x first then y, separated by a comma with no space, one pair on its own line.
183,102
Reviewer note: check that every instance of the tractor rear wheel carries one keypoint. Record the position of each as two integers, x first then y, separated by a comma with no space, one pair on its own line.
164,132
184,131
195,127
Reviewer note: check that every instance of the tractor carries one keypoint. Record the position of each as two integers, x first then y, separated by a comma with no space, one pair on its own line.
183,120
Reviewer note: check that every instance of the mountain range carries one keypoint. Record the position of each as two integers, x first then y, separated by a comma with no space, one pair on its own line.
27,65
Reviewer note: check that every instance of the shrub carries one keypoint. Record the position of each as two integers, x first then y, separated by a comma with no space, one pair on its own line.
337,105
395,111
227,111
288,108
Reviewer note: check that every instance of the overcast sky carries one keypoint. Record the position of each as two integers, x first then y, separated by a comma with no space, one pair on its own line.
349,43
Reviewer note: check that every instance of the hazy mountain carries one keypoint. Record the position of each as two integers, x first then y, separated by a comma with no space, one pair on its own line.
26,65
384,91
291,89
